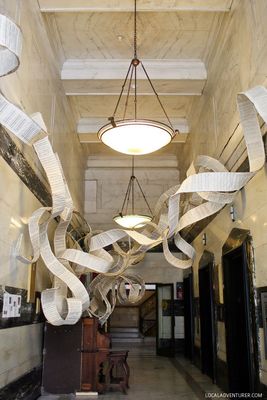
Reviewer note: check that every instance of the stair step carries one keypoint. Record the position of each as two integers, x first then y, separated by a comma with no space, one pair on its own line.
113,330
125,334
127,340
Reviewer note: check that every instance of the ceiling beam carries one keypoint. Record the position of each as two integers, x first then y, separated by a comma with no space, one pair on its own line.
124,161
105,77
127,5
116,69
92,125
112,87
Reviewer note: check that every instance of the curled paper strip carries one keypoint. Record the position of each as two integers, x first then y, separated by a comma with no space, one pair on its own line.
10,42
209,186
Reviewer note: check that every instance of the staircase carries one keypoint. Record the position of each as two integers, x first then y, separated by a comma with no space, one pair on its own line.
148,317
125,335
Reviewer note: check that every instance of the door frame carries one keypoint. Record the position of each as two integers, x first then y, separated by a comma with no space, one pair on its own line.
207,261
189,315
168,352
241,239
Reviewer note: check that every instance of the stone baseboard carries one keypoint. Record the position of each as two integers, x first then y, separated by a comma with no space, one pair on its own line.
27,387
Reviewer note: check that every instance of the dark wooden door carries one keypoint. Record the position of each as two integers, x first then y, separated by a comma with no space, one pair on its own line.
237,326
62,358
165,320
207,321
188,318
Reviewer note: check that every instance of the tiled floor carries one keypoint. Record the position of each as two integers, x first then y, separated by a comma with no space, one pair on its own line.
157,378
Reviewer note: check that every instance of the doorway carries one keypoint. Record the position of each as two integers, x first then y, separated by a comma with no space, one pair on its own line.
165,320
241,354
135,323
188,318
207,315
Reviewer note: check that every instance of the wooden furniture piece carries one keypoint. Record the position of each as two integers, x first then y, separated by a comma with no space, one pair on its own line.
74,357
95,350
61,358
117,372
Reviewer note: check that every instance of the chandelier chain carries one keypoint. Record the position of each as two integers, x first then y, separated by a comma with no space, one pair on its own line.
128,92
135,92
156,94
143,194
122,90
132,179
130,194
132,165
126,198
135,30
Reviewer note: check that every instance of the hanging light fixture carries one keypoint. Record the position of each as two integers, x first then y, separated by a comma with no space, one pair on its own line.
132,220
136,136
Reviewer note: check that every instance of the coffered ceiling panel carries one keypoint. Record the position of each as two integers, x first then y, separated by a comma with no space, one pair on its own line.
109,35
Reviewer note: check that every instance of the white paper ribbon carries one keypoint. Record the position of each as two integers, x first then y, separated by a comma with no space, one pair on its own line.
207,188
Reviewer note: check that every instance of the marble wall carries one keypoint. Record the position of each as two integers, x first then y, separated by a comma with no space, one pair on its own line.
35,87
155,269
237,62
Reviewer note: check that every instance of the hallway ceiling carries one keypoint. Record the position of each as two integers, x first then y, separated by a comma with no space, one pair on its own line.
93,40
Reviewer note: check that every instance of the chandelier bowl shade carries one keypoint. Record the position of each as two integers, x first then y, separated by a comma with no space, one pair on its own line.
136,137
131,221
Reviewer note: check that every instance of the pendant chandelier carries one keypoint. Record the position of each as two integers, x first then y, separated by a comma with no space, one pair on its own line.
135,136
132,220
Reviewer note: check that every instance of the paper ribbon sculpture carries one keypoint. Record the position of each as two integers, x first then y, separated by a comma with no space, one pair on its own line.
210,184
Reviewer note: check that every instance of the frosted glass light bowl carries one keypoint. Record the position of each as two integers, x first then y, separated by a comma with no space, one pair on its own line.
132,221
136,137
